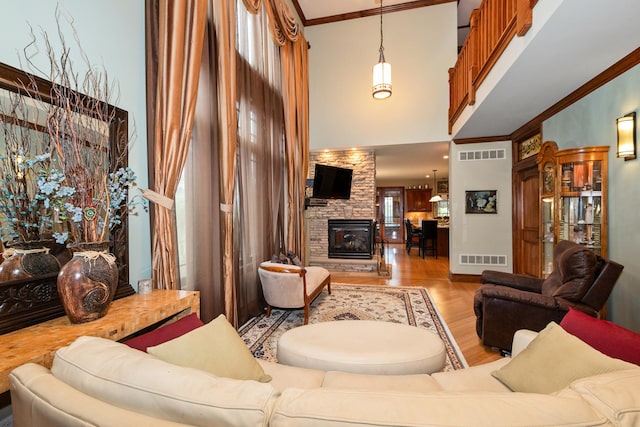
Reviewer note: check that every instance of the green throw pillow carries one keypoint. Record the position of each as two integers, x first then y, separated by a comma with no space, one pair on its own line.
215,347
553,360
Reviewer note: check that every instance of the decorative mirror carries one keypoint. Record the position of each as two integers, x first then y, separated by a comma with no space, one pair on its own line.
33,298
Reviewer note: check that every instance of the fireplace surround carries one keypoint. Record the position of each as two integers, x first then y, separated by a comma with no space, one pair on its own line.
351,238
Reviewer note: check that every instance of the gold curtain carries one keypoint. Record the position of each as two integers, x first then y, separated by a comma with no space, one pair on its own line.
296,106
252,6
178,28
224,18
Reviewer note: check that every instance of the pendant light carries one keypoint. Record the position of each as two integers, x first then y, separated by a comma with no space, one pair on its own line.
437,197
381,71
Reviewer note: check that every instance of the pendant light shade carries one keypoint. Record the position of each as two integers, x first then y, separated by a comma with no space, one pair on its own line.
437,197
381,71
382,80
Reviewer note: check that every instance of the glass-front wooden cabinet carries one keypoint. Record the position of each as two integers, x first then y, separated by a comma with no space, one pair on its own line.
547,173
582,197
573,199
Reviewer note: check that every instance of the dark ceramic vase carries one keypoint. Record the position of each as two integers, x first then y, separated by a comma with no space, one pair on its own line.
27,260
88,282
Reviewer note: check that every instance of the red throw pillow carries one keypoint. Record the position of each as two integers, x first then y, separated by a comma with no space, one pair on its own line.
606,337
165,333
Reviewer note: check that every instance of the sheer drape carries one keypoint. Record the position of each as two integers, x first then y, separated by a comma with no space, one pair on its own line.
176,31
200,218
259,191
295,85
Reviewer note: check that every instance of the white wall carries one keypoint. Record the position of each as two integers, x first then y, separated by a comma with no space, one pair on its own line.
591,121
480,234
111,34
420,44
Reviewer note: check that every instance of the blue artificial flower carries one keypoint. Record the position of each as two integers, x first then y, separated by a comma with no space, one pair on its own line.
60,238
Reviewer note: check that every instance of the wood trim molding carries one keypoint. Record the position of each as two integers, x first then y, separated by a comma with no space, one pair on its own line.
524,16
617,69
482,139
364,13
296,5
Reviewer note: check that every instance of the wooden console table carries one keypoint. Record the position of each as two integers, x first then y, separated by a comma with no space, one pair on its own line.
126,316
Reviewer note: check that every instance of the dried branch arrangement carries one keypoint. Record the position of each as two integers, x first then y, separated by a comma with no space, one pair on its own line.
81,186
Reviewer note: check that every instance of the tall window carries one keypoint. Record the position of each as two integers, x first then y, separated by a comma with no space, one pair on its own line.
259,197
258,205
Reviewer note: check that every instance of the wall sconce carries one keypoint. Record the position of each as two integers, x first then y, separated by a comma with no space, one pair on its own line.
626,126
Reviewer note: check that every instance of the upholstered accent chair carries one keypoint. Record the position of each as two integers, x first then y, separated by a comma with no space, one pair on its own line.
507,302
292,286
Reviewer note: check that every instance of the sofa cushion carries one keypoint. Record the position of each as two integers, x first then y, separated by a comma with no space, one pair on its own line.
553,360
165,333
136,381
215,347
475,378
333,407
285,376
607,337
614,394
418,383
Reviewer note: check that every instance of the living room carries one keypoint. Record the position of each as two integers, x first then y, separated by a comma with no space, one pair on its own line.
342,115
416,113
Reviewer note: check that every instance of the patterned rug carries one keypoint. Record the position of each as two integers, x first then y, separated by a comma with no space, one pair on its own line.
408,305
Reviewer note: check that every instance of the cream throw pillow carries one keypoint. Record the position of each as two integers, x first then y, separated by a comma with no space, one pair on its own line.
553,360
215,347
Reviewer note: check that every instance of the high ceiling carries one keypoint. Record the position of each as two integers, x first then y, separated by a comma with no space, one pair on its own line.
577,41
397,162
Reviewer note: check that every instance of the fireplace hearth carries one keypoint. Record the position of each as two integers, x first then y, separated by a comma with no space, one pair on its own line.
351,238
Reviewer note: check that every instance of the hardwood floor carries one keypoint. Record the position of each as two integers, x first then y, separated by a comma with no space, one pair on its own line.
453,299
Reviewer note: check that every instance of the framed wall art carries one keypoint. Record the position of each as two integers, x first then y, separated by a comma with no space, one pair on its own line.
443,187
481,201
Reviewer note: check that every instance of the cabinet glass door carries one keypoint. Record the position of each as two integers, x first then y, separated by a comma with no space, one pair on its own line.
581,204
546,207
547,236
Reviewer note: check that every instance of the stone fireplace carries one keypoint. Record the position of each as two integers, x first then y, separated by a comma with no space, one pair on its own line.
360,205
351,238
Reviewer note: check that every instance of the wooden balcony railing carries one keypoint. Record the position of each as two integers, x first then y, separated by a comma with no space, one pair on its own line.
492,26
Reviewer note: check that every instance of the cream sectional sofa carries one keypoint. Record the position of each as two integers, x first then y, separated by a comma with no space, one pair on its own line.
97,382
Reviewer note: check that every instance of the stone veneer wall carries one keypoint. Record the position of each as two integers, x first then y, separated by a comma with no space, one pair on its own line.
361,205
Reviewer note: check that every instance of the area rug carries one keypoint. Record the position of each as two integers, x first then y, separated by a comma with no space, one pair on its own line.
408,305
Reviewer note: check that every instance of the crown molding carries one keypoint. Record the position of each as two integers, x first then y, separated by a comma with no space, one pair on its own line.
364,13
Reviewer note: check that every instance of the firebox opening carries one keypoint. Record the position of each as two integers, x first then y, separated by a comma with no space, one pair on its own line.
351,238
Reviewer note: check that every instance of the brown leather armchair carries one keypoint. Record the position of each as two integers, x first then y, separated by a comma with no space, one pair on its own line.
507,302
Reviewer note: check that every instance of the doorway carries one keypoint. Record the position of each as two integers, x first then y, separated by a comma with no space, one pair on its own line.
526,238
390,204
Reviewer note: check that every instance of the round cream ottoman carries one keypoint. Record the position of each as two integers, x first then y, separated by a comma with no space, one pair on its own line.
362,347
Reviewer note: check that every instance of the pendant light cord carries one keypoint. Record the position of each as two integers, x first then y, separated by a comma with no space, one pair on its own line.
381,36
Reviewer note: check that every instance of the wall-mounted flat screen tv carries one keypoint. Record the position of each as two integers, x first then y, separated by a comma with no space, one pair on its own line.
331,182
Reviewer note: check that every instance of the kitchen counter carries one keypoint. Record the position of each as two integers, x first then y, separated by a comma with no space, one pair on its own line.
443,241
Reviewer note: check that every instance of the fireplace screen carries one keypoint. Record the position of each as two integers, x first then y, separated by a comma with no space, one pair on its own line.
351,238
